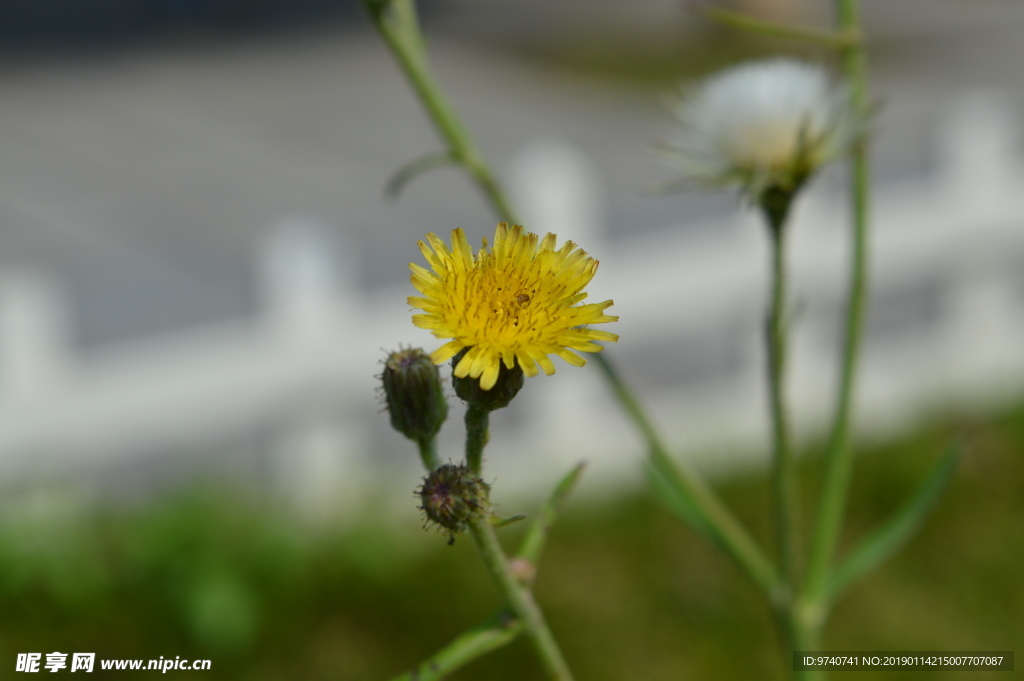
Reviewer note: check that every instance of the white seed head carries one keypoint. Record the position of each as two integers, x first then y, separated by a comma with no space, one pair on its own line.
761,124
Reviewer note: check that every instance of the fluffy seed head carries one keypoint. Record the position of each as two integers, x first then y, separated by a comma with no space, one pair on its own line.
760,125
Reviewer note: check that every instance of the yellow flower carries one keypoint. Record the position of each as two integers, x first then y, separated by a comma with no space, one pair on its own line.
517,301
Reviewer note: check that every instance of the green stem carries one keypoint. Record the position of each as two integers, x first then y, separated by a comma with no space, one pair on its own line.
428,453
476,438
500,630
517,595
839,456
844,38
713,515
520,601
803,636
775,204
397,23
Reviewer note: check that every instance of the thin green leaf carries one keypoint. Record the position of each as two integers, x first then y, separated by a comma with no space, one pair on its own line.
843,39
674,496
480,640
688,495
502,522
413,169
890,537
533,544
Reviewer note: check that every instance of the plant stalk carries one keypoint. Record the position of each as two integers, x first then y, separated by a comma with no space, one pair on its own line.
839,456
714,515
518,596
499,631
775,204
477,433
428,453
520,600
397,23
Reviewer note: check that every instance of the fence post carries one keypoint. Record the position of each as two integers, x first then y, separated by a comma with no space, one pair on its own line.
557,190
977,173
35,339
307,280
309,287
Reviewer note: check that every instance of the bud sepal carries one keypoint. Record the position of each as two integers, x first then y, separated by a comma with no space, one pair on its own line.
507,386
414,394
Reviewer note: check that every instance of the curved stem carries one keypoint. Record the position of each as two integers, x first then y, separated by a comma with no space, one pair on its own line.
498,631
839,462
517,595
396,21
520,601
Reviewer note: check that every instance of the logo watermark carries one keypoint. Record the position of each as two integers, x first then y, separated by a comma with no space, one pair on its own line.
32,663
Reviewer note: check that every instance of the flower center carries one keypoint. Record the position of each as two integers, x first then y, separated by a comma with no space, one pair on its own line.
511,301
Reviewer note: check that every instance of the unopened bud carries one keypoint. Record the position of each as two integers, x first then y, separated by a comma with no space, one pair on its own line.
509,383
415,397
452,498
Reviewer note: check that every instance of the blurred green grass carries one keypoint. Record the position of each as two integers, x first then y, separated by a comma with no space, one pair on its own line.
630,592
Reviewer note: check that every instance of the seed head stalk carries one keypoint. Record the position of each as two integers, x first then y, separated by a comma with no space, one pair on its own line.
775,205
839,461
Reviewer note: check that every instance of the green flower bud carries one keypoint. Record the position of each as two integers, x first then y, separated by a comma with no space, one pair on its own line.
452,498
414,395
509,383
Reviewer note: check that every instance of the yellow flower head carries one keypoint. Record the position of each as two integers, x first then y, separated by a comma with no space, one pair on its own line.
517,301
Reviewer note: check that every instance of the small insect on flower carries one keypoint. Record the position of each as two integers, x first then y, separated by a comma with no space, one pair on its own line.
512,304
762,125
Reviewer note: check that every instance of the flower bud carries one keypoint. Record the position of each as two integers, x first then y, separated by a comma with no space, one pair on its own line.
509,383
415,397
452,498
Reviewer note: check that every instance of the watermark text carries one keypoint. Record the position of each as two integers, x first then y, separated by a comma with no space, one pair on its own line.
32,663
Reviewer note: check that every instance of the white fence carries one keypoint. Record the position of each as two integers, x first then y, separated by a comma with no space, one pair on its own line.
947,282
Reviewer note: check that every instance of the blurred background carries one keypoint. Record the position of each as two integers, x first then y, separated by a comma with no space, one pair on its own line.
200,274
